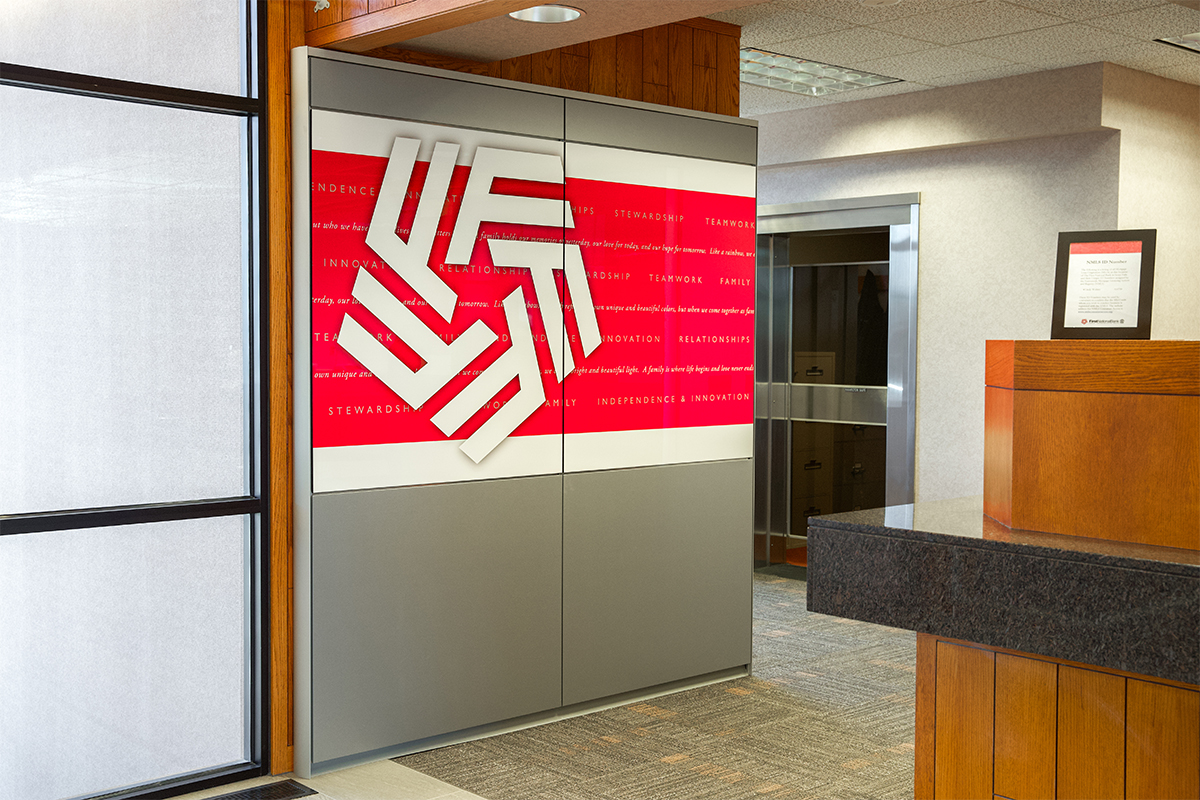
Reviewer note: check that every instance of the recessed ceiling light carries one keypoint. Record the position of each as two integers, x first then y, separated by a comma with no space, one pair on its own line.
1189,41
880,2
790,74
549,13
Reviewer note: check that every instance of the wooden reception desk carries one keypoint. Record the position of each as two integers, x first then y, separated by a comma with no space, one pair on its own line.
1058,616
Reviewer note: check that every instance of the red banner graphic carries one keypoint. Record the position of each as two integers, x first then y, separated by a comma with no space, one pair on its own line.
671,280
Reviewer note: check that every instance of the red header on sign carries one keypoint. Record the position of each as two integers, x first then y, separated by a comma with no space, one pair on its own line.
1092,248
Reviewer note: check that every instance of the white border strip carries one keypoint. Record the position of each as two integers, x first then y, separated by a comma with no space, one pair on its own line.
637,168
584,452
374,466
377,466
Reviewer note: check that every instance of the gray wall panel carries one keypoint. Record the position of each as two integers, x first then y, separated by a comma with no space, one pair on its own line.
434,609
659,132
657,570
382,92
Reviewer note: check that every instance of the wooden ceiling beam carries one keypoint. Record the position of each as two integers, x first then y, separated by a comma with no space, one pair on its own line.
407,20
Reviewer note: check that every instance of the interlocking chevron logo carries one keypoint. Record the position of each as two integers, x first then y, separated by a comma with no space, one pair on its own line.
411,261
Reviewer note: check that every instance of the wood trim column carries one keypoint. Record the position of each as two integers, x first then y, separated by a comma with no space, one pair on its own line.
284,30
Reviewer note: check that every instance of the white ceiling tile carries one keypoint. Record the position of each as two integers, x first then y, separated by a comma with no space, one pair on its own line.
1078,10
1046,43
1187,73
1151,23
850,47
766,24
981,75
758,100
928,64
1145,55
965,23
855,12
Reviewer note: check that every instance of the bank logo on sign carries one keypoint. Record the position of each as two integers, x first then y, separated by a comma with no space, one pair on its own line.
410,260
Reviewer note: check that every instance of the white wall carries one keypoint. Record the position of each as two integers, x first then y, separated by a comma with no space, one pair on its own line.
992,206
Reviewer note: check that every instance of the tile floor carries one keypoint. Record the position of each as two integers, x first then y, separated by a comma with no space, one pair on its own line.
379,780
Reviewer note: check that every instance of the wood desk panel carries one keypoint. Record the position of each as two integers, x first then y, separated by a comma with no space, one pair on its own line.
1110,466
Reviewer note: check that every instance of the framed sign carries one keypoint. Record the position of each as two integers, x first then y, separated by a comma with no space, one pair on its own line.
1104,285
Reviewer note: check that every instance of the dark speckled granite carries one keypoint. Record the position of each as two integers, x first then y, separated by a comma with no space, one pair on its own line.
945,568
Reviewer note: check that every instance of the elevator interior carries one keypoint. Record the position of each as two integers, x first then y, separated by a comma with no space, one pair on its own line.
835,365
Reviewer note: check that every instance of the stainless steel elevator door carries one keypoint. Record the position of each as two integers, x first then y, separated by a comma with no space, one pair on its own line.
835,428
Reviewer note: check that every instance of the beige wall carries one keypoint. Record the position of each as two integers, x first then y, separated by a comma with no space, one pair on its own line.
1032,160
1159,122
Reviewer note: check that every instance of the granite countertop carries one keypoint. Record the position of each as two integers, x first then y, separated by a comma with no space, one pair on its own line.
945,568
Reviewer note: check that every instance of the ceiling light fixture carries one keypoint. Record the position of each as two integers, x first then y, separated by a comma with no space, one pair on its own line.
812,78
874,3
1189,41
548,13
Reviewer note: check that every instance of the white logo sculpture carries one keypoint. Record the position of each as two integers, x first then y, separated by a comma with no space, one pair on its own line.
410,260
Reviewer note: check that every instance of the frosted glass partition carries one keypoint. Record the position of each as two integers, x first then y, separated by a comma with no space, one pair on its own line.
121,231
122,655
192,44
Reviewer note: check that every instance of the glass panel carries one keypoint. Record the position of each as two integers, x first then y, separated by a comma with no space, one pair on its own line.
121,228
836,467
122,655
192,44
840,318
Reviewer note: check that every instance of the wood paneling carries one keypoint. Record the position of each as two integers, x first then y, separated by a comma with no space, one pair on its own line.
679,65
926,718
691,64
284,27
653,93
1091,732
704,89
314,19
1099,365
1026,694
729,84
1101,465
629,66
547,68
963,743
354,8
1162,742
574,72
654,55
602,67
517,69
1118,734
997,453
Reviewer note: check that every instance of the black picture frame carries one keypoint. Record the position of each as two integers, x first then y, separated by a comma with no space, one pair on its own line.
1059,329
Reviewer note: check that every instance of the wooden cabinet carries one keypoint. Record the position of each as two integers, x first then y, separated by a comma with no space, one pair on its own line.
1026,727
963,765
1091,735
994,723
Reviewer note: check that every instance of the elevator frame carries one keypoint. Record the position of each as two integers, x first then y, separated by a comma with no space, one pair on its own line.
778,401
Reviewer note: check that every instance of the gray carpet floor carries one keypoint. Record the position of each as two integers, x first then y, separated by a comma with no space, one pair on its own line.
828,713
